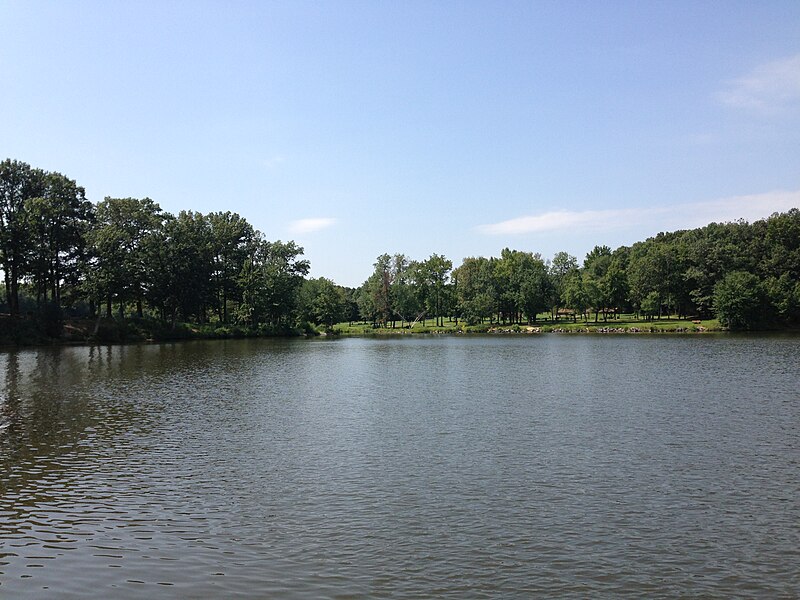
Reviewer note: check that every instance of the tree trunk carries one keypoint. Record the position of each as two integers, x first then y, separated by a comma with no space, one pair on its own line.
8,289
13,303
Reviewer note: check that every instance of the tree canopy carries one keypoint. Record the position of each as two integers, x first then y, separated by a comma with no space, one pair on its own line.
126,256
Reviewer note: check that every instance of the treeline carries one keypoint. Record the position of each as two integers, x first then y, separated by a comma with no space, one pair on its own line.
126,256
61,254
746,275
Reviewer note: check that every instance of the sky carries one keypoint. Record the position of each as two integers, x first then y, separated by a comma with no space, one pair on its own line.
457,128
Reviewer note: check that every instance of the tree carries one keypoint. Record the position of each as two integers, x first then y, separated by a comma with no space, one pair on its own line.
651,305
119,265
563,264
655,266
378,306
270,280
232,238
535,287
784,297
595,280
574,295
191,263
403,298
476,293
322,302
437,271
59,221
362,297
739,300
523,285
615,280
782,245
19,183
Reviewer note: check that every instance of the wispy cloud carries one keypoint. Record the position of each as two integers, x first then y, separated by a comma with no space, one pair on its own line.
274,161
768,89
674,216
555,221
311,225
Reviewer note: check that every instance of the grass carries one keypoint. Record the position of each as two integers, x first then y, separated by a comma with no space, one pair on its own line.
623,324
29,332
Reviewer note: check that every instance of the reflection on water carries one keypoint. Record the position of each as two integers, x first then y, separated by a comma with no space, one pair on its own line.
413,468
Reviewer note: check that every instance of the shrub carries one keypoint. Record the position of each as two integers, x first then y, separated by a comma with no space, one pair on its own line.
739,300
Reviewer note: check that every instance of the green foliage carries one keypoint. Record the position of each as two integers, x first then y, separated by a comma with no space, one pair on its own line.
118,243
784,296
739,300
60,255
523,284
560,269
232,240
574,295
651,304
436,272
270,279
476,294
322,302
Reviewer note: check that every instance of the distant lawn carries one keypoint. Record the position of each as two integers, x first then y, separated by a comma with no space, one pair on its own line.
624,324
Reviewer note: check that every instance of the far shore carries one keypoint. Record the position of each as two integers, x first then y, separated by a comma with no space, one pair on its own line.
85,332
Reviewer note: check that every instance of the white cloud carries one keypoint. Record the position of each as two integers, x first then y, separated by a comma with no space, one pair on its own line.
554,221
668,217
750,208
273,161
770,88
311,225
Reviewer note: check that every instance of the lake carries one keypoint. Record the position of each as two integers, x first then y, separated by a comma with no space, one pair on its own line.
418,467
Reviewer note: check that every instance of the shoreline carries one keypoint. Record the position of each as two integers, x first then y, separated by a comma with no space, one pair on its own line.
190,334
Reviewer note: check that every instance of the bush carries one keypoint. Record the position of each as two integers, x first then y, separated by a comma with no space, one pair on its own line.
308,328
50,320
107,331
739,301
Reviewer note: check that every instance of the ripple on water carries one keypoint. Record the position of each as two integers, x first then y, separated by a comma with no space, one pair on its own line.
452,468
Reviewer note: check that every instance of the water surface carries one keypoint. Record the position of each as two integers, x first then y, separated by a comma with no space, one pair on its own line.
449,467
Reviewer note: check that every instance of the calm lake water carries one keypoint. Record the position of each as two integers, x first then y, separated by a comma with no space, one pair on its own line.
441,467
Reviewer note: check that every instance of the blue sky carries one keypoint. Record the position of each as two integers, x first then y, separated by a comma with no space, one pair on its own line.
461,128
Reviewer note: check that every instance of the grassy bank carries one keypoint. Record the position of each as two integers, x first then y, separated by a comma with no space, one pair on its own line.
30,331
623,324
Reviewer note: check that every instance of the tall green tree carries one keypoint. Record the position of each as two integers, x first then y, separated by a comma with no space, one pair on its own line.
563,264
574,295
270,280
322,302
378,287
190,264
403,298
232,238
523,285
595,280
739,300
437,270
59,221
19,183
119,264
476,295
656,268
